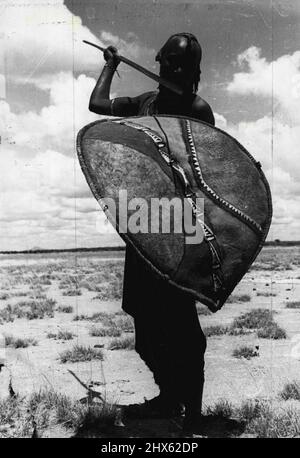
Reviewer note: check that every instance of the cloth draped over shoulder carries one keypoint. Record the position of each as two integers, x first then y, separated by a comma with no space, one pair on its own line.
133,106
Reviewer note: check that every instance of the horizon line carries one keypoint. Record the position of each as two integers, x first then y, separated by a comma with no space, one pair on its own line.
122,248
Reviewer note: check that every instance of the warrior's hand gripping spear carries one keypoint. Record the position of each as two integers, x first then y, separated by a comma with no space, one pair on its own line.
173,87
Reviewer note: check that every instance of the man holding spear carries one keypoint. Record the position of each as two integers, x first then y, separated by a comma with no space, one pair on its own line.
168,334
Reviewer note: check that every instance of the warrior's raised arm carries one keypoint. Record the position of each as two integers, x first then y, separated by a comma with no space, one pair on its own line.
100,100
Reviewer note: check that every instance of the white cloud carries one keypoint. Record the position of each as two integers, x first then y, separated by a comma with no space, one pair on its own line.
274,141
279,80
129,47
47,198
44,197
39,185
56,125
221,121
43,191
43,37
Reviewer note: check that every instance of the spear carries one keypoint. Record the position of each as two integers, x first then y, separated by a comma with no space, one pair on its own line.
173,87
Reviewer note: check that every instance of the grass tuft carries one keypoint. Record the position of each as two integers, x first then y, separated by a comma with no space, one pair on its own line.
217,330
271,331
72,292
293,305
265,294
80,353
65,309
234,298
18,342
244,352
96,331
96,417
49,408
254,319
61,335
34,309
260,320
124,323
106,319
270,423
291,391
222,408
251,409
81,317
122,343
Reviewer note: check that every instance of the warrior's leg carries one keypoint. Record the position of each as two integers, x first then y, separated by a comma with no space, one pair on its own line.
186,348
150,346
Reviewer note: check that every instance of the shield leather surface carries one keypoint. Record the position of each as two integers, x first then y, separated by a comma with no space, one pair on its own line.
167,157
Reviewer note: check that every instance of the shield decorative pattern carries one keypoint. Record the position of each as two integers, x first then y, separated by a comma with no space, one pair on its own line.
163,157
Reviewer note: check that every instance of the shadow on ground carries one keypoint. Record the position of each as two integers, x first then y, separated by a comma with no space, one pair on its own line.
213,426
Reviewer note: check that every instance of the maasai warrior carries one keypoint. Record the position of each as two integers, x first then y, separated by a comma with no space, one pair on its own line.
168,334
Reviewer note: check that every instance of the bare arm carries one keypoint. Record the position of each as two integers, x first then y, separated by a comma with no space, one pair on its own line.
100,100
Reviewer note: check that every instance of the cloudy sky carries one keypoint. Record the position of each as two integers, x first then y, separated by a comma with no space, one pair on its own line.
250,76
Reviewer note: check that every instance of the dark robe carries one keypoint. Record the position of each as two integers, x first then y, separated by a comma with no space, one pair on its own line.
168,336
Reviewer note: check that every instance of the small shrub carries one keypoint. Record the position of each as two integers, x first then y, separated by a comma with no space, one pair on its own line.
238,298
51,335
97,417
222,408
18,342
65,335
47,403
6,314
81,317
293,305
34,309
19,294
61,335
65,309
271,331
104,332
216,330
44,280
251,409
12,418
123,343
72,292
80,353
254,319
4,296
69,282
244,352
110,292
291,391
265,294
271,423
106,319
233,331
38,294
124,323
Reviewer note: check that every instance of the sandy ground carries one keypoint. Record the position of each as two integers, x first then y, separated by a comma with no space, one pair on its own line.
122,376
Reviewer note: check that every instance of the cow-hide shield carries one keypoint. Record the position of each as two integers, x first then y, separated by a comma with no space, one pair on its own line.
141,168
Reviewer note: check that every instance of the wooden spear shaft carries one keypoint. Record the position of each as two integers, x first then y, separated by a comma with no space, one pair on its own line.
173,87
